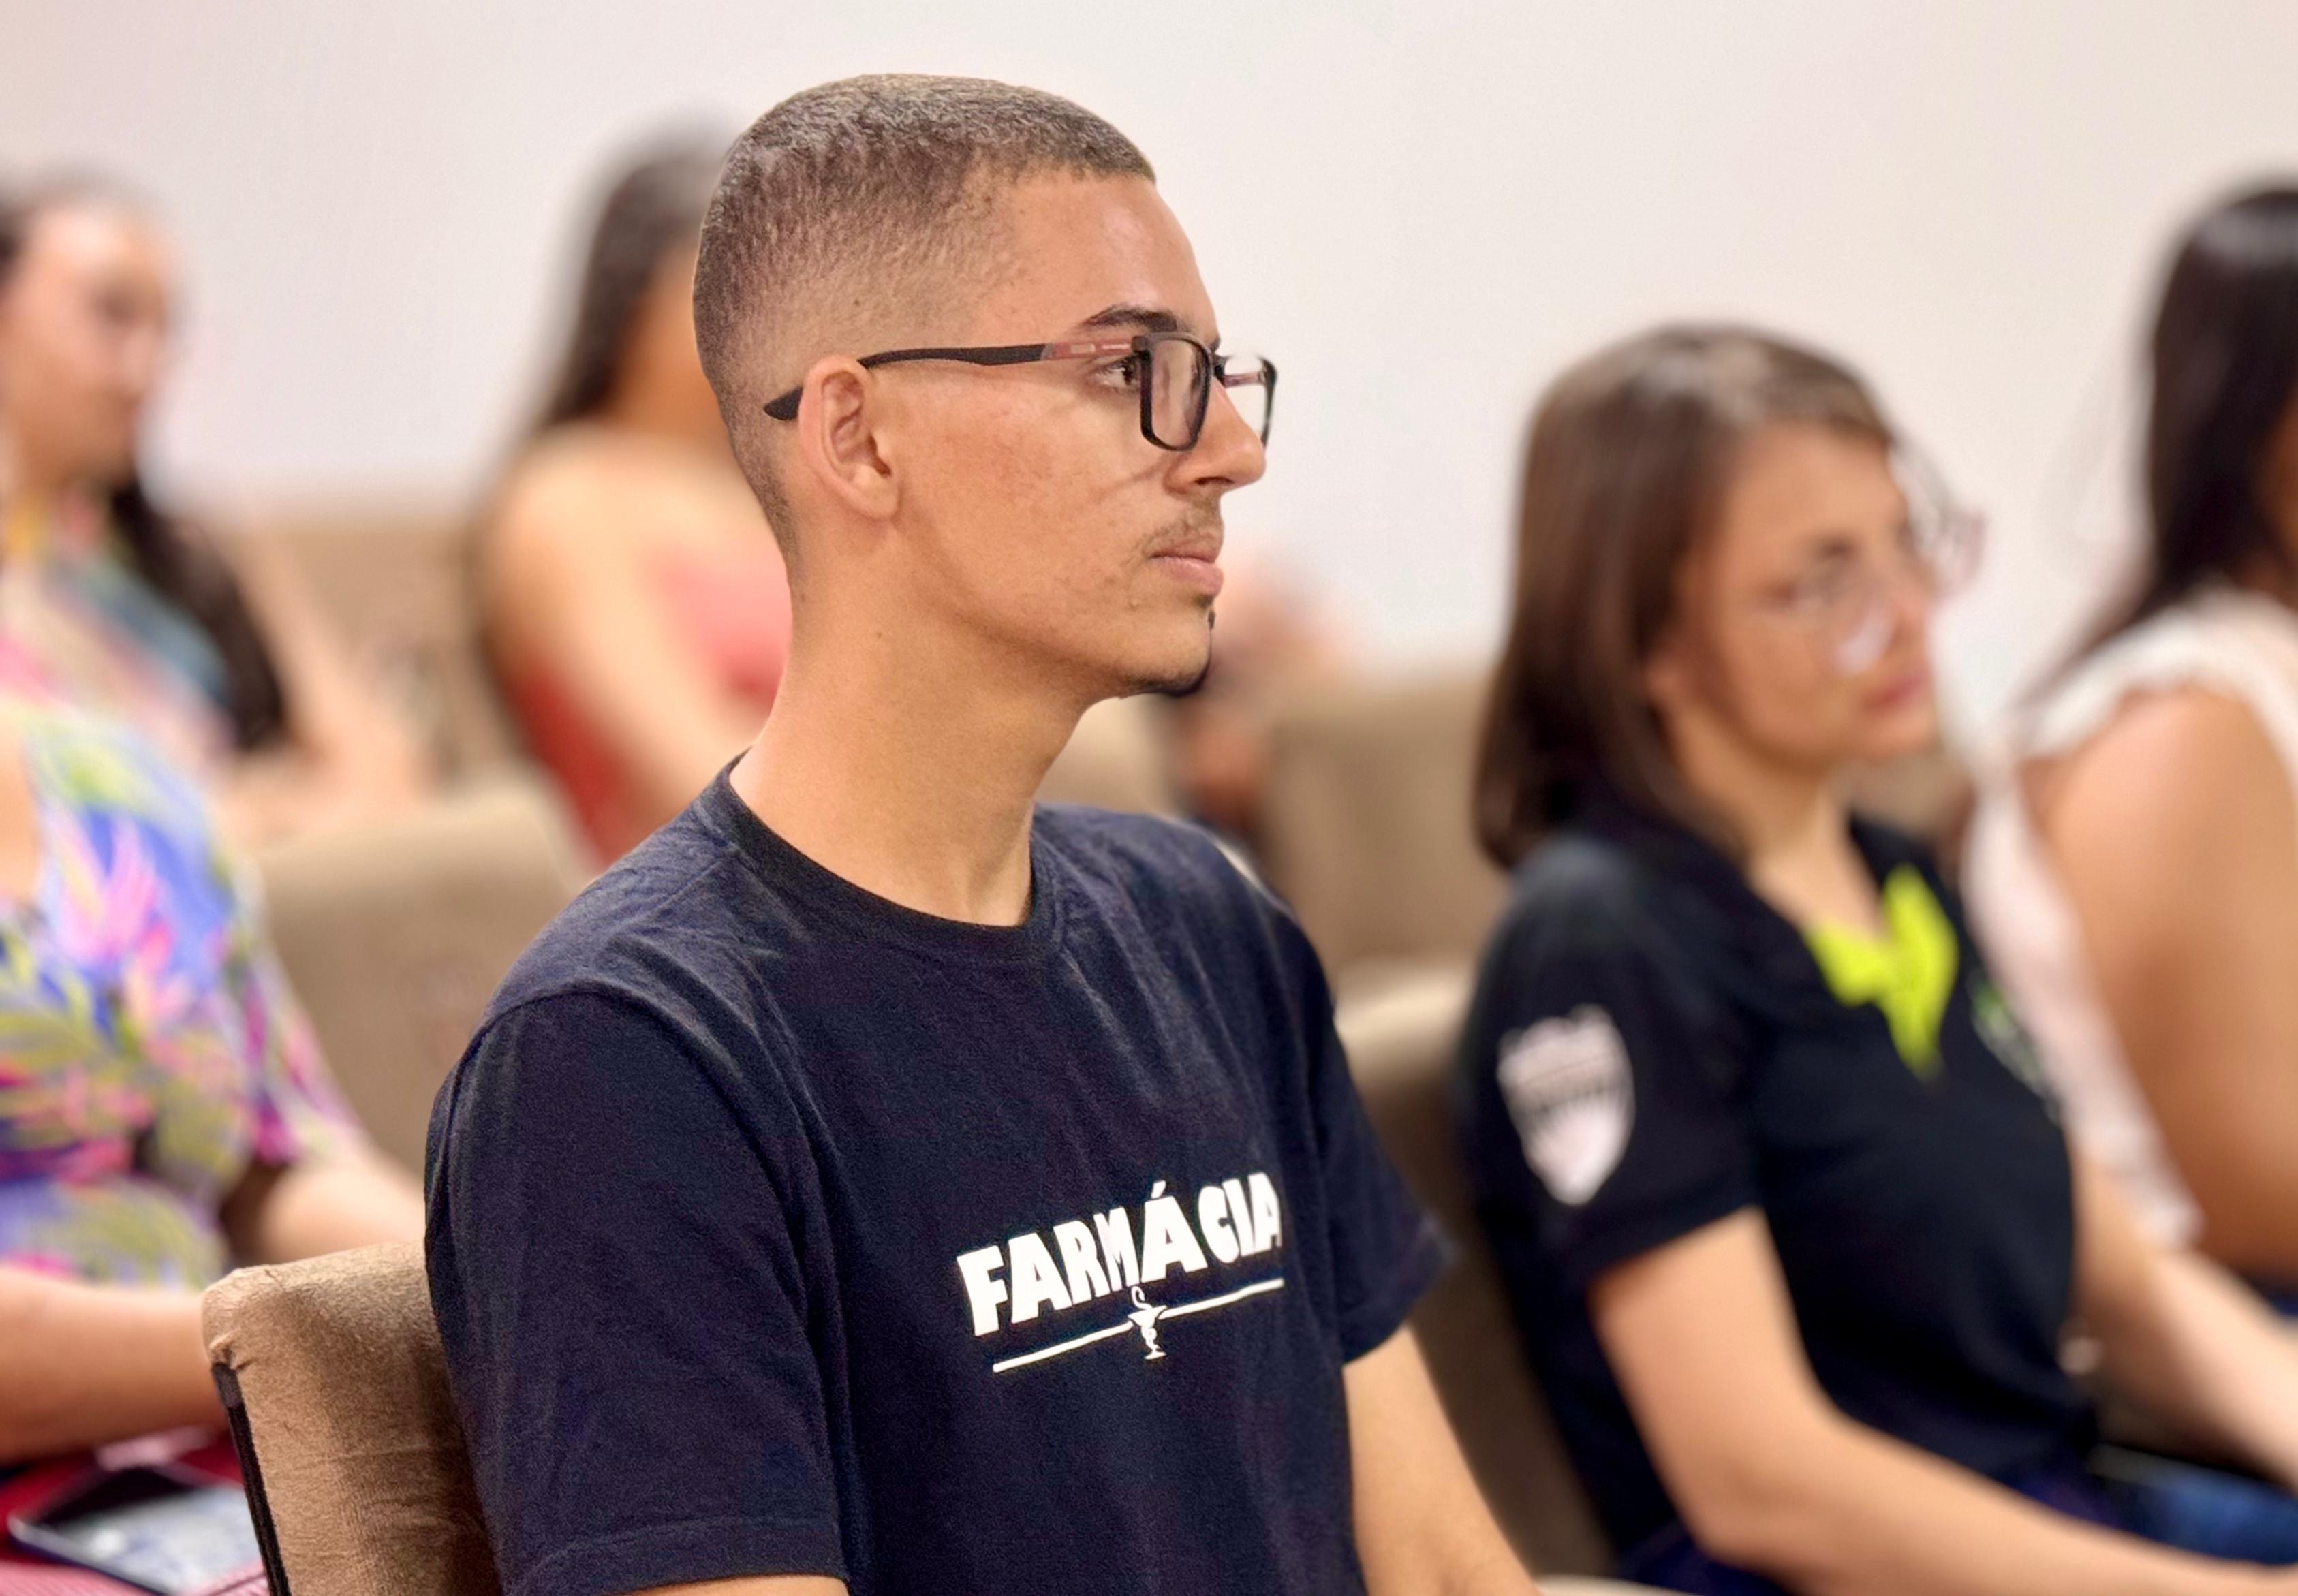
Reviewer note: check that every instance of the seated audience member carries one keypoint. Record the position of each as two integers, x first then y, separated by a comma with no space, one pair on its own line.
1777,1185
635,603
2134,871
164,1113
109,603
875,1182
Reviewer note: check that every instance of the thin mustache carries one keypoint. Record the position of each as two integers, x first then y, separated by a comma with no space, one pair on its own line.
1188,529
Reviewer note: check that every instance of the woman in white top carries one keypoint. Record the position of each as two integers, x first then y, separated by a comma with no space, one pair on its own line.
2134,863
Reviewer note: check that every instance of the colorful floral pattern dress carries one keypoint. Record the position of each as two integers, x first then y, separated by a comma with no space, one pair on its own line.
150,1052
78,628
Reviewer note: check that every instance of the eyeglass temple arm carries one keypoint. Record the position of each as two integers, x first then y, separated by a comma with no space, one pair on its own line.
784,407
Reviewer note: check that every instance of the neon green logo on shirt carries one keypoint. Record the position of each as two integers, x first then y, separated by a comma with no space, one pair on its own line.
1908,972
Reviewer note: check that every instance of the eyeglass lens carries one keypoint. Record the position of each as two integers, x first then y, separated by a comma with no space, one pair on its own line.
1178,381
1180,384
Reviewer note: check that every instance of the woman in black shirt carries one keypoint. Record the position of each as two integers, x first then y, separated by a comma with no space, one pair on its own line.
1783,1200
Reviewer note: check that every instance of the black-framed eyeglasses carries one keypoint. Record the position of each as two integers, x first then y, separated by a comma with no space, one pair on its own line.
1174,373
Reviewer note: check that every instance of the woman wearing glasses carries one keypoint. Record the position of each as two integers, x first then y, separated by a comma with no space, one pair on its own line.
2133,869
1780,1194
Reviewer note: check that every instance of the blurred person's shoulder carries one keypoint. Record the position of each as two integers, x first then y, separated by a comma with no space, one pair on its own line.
1581,881
576,488
2188,764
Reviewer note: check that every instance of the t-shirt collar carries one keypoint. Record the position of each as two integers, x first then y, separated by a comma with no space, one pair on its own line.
786,870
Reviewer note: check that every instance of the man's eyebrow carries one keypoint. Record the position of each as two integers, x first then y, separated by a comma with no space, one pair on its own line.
1145,318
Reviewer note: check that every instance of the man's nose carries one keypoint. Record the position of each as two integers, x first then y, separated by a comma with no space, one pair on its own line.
1227,450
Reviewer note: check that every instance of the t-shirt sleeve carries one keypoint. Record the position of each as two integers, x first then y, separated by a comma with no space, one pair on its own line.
618,1287
1604,1078
1385,1250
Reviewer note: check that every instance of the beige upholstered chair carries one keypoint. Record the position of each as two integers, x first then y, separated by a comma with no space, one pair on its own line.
332,1373
1115,759
1367,823
1400,1045
396,933
395,585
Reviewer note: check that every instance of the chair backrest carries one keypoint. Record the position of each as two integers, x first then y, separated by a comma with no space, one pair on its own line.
1366,830
1400,1045
396,933
1367,821
356,1468
396,587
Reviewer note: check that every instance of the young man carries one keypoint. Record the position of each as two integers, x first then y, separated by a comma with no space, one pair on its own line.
867,1180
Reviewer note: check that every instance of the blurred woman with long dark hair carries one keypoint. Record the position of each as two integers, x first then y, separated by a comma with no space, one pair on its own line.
1776,1184
2133,867
109,603
636,605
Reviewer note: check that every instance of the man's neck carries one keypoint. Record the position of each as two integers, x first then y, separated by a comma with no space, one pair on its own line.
908,775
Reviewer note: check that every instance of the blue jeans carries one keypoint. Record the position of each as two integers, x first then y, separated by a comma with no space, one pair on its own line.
2200,1509
2176,1504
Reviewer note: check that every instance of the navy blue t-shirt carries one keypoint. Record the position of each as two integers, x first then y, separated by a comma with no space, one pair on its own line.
776,1229
1653,1047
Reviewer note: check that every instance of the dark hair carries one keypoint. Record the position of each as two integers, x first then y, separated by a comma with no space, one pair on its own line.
1629,455
869,189
173,561
2225,368
654,207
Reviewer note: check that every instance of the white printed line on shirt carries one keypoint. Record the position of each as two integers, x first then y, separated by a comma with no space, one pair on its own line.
1060,1347
1057,1349
1223,1301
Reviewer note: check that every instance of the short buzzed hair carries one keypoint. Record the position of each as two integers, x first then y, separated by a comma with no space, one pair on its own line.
873,197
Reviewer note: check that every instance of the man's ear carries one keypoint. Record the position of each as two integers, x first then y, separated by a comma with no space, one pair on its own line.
841,443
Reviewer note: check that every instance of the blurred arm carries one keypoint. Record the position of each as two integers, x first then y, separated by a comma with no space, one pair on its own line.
1422,1528
357,1199
2176,839
2187,1341
352,755
91,1364
1772,1478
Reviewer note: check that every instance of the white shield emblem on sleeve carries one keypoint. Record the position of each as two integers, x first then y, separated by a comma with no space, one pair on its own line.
1569,1090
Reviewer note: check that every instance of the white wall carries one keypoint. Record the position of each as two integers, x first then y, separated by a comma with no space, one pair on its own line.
1420,215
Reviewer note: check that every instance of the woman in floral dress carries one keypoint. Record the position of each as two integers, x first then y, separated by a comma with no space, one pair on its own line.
164,1113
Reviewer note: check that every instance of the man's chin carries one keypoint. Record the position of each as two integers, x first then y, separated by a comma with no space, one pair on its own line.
1176,686
1175,668
1176,681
